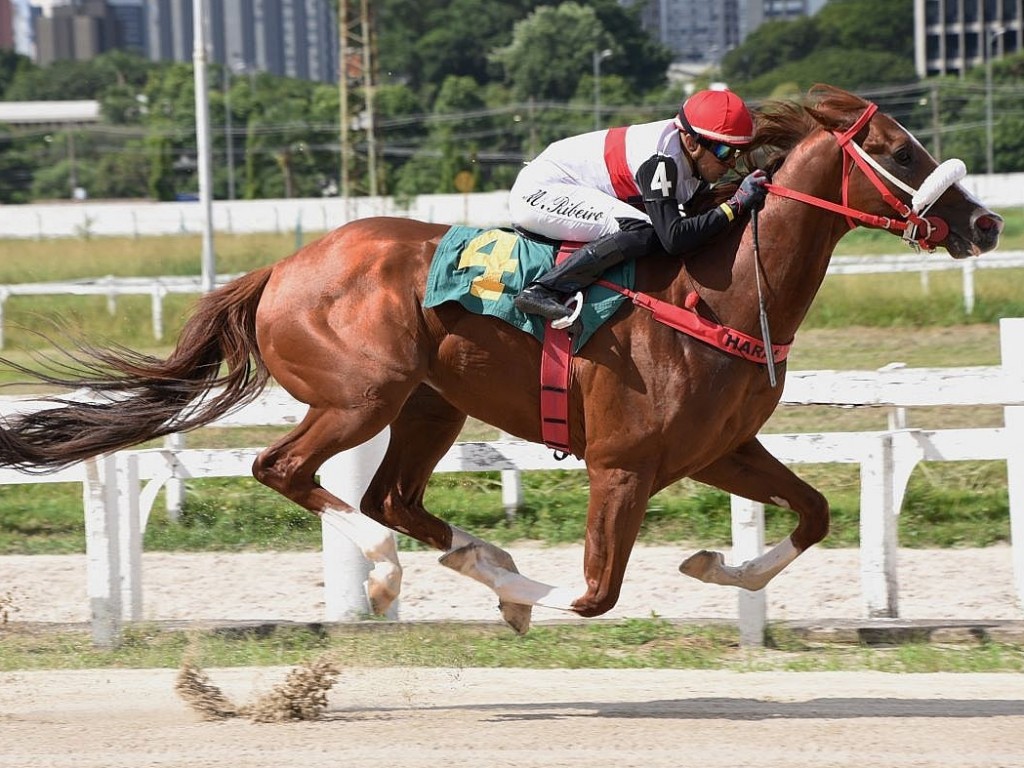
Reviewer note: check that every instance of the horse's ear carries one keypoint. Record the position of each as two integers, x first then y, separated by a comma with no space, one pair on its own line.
825,120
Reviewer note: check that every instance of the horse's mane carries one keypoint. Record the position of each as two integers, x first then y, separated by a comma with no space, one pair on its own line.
781,124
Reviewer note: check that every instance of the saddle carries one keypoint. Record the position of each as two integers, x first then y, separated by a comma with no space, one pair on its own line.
484,269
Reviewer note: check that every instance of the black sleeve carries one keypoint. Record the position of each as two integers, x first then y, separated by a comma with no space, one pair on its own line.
680,234
657,179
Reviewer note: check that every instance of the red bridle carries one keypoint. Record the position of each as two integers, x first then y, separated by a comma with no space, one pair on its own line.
934,228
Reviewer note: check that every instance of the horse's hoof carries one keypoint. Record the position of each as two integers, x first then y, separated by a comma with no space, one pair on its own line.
380,599
383,587
701,564
517,616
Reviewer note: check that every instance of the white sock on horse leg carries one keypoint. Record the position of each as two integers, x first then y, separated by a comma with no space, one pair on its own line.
756,573
375,541
493,566
753,575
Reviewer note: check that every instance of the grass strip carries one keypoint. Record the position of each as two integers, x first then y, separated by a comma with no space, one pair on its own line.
620,644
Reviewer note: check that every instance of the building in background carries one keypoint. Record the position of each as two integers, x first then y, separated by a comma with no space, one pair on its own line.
952,36
130,23
292,38
83,29
24,27
6,25
695,31
699,32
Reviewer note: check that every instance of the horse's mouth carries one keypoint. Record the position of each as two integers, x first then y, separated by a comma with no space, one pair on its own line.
985,229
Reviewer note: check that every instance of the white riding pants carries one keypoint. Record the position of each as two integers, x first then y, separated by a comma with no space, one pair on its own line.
543,201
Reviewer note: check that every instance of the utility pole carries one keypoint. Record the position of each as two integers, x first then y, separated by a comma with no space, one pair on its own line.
991,37
350,42
371,136
345,140
209,267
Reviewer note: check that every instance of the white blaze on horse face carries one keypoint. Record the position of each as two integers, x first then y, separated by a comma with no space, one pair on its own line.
493,566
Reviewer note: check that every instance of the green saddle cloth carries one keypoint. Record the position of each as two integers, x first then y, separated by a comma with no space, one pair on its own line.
484,269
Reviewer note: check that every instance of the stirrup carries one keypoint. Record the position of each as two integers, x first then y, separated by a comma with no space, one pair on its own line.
576,302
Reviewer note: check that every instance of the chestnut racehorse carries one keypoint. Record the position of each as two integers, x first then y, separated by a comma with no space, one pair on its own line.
341,325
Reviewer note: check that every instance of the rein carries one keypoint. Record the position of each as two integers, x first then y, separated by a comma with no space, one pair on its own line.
934,229
686,320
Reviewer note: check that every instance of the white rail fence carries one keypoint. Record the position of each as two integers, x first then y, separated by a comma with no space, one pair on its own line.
134,218
119,489
158,288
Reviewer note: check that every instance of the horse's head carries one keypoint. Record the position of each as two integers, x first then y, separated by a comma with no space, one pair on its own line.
890,181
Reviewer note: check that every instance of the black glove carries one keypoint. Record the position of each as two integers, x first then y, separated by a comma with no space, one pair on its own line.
656,178
750,194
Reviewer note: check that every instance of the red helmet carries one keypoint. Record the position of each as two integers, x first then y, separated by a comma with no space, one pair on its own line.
718,115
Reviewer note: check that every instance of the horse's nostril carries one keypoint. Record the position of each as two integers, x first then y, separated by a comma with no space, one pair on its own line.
988,222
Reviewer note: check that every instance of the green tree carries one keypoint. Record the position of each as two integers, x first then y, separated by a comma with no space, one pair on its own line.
533,70
170,130
868,25
965,102
813,49
11,64
640,59
771,45
16,170
836,67
160,152
421,42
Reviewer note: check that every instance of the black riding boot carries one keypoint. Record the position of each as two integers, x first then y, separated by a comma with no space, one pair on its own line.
582,267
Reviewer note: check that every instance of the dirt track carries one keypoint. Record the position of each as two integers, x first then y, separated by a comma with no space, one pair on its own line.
486,718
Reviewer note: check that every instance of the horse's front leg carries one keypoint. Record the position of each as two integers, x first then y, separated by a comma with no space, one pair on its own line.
750,471
618,499
618,503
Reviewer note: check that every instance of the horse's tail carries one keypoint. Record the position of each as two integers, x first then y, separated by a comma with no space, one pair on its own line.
137,397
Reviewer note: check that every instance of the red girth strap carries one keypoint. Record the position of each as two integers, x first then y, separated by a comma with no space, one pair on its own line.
555,366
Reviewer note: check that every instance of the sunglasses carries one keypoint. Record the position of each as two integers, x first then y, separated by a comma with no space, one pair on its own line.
722,152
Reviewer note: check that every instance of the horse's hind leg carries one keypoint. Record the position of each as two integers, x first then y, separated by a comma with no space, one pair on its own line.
289,467
753,473
421,435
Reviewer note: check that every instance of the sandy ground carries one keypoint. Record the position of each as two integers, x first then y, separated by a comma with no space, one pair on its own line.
821,584
476,718
499,717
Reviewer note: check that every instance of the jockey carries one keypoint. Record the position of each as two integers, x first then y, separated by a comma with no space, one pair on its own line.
620,191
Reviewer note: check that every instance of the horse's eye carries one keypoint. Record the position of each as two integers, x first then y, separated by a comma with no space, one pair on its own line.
902,155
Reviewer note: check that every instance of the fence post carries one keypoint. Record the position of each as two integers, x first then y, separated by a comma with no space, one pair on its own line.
1011,336
129,528
103,577
111,284
347,476
878,534
4,293
511,489
968,286
157,297
748,543
174,488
